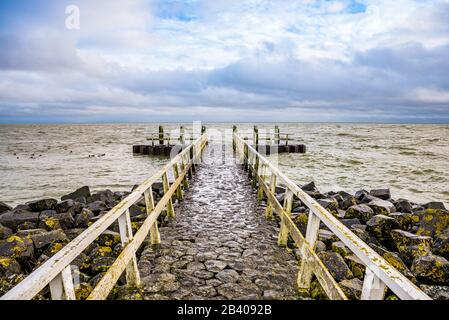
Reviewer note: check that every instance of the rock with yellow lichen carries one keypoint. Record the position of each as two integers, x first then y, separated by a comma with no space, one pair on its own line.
109,238
433,222
352,288
381,226
431,269
441,246
4,232
336,265
9,267
16,247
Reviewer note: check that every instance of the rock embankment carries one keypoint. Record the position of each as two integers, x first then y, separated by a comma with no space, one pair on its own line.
412,237
33,232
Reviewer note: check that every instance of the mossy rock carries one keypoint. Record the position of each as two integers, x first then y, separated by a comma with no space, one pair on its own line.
356,265
433,222
4,232
336,265
441,246
16,247
9,266
352,288
301,222
109,239
340,248
431,269
83,290
317,292
403,239
361,212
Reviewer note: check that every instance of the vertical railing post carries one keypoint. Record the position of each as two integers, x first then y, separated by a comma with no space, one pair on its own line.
179,194
277,135
269,208
256,138
154,230
126,235
263,169
373,288
305,270
61,287
234,132
283,232
166,187
256,170
185,181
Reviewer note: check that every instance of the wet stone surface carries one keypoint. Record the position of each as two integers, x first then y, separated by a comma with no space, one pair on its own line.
220,246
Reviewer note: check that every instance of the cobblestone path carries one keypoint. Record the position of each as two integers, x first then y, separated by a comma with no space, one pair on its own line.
220,246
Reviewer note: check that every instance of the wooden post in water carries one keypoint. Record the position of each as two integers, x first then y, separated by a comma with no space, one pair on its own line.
256,138
234,131
161,135
181,135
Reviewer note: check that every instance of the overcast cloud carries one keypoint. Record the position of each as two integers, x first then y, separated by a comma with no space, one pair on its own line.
225,60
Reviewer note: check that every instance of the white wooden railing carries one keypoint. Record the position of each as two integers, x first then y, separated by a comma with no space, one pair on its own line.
56,271
379,273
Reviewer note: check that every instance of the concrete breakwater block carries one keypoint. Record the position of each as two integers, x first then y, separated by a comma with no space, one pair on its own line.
273,149
157,150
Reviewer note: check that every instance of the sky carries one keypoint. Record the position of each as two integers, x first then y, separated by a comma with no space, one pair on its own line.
225,60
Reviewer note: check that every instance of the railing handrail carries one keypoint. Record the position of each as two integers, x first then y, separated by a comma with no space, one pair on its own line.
55,265
391,277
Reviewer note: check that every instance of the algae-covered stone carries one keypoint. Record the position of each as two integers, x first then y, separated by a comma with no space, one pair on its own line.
4,232
66,220
433,222
329,204
317,292
49,223
348,202
339,247
380,206
44,239
336,265
356,266
9,266
348,223
83,290
381,226
64,206
404,220
352,288
42,205
16,247
436,292
431,269
360,211
403,206
435,205
301,222
109,238
404,239
327,236
101,264
441,246
82,219
129,293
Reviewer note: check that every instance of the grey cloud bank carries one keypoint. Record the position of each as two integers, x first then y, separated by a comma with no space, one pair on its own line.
361,67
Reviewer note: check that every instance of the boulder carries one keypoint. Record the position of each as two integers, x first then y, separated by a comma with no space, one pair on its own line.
327,236
319,246
227,276
431,269
42,205
109,239
436,292
44,239
13,220
309,187
403,239
73,233
404,206
80,194
360,194
382,206
336,265
364,235
367,198
340,248
317,292
329,204
4,207
435,205
441,246
383,194
135,211
16,247
380,226
404,220
360,211
76,208
101,264
4,232
9,267
49,223
65,220
106,196
301,222
82,219
97,206
432,223
64,206
348,202
356,266
352,288
350,222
